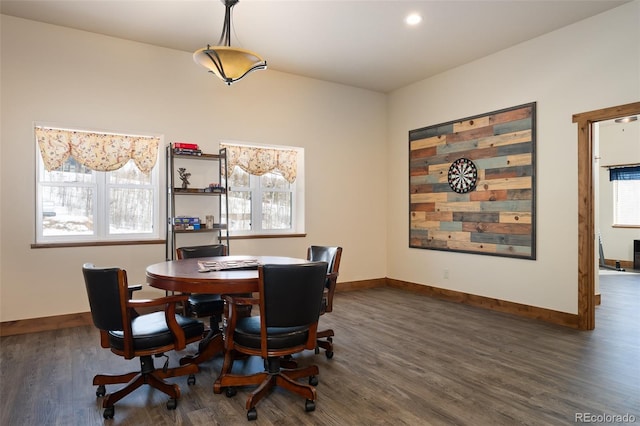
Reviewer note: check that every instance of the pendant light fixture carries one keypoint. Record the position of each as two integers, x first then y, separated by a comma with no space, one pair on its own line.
230,64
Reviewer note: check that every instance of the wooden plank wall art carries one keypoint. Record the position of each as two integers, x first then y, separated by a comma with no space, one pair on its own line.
472,184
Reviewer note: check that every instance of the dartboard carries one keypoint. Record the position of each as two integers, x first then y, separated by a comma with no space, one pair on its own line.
463,175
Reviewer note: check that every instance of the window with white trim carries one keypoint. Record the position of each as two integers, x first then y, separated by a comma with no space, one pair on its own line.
266,190
95,186
626,202
626,195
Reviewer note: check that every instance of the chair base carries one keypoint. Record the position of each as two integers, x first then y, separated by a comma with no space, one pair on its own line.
285,378
148,375
210,345
327,344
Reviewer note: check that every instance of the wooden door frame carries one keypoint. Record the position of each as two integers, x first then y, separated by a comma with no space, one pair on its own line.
586,229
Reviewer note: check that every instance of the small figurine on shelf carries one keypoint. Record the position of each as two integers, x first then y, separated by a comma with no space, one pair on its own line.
184,177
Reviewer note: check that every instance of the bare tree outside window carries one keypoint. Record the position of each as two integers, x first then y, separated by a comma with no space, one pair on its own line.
265,189
276,202
260,203
75,203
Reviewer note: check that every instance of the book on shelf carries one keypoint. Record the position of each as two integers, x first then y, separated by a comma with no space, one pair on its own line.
186,145
186,223
191,190
187,151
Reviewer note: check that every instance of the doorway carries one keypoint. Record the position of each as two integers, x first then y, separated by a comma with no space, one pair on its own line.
586,228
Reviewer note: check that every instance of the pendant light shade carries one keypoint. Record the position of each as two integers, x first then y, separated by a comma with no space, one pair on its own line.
230,64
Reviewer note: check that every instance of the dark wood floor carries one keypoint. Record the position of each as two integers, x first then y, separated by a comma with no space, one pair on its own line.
400,359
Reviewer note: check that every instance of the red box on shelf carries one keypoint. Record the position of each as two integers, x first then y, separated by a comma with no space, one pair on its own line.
185,145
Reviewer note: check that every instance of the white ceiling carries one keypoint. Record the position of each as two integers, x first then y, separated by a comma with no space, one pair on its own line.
359,43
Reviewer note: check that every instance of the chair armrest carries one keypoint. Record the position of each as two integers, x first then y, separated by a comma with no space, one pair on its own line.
232,305
170,303
332,280
132,288
240,300
141,303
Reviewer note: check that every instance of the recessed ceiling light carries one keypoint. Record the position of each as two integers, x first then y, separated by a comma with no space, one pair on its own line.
413,19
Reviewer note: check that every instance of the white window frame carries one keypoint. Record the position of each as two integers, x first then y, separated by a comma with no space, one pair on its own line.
297,197
100,184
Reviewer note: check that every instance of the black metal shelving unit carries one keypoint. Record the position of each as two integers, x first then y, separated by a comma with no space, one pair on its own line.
217,197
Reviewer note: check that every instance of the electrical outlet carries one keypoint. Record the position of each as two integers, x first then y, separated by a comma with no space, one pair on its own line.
446,274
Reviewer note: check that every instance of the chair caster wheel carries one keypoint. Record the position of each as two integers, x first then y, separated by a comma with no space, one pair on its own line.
313,380
230,392
101,391
317,350
309,405
252,414
172,404
109,412
191,380
329,354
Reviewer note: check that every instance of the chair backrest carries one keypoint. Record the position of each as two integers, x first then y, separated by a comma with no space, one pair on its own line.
201,251
331,255
107,291
291,295
328,254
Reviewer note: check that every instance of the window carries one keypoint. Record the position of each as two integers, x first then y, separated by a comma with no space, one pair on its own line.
626,195
265,190
85,197
626,202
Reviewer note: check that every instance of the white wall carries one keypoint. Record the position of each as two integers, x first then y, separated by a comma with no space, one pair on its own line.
589,65
356,145
619,143
73,78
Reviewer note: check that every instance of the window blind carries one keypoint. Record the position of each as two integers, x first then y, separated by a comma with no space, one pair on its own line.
624,173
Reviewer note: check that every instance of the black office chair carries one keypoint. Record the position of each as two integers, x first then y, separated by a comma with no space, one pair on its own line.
332,256
290,298
130,335
202,304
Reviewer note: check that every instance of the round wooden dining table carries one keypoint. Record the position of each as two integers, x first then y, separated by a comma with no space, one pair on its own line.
194,276
184,275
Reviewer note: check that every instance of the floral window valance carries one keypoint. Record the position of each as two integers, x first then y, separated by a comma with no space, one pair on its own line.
258,161
98,151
